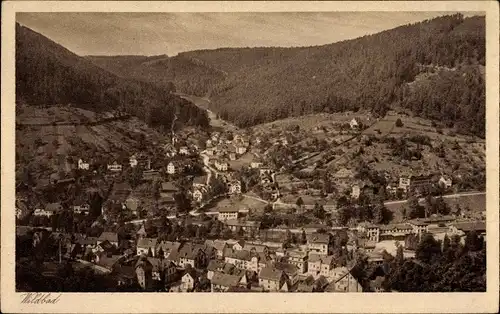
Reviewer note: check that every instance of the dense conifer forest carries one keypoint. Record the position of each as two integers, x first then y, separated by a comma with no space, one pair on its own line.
48,74
433,68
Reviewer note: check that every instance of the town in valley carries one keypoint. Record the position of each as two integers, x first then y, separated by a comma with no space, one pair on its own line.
132,179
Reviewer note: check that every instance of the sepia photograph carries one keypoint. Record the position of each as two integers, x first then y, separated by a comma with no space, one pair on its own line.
272,152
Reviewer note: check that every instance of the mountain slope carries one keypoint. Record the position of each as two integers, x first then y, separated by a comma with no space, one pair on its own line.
371,72
48,74
189,75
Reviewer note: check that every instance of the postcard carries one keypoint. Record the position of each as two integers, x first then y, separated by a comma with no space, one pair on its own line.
250,157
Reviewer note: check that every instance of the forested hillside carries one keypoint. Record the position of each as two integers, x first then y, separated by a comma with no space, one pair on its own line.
434,68
177,72
370,72
48,74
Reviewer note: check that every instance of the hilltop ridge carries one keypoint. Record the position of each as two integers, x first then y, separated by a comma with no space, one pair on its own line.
248,86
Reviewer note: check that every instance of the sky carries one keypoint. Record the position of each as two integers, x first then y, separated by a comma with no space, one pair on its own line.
94,33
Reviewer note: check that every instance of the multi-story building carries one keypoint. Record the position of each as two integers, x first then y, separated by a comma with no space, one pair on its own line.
272,279
299,259
319,243
228,214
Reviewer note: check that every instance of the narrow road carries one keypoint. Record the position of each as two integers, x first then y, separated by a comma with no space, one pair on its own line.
457,195
206,163
256,198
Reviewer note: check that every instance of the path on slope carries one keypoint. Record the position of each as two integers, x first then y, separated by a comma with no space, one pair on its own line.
457,195
202,103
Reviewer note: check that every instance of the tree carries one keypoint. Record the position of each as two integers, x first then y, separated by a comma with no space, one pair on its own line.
319,211
240,233
378,215
135,176
414,209
182,202
268,208
299,202
399,255
428,249
303,237
227,234
473,242
150,228
399,123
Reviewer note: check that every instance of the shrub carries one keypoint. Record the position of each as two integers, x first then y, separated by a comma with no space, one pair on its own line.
399,123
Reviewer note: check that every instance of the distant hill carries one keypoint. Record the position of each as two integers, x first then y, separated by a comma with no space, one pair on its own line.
186,74
372,72
48,74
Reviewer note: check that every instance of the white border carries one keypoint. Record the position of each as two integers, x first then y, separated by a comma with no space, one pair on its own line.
250,302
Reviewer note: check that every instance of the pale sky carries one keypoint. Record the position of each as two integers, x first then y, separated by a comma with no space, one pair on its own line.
92,33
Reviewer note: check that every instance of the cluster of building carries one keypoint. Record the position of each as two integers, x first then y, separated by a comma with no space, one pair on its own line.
439,227
217,265
404,185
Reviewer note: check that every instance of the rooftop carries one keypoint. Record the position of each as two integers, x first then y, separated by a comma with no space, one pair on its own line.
225,280
319,238
271,273
471,226
110,236
147,243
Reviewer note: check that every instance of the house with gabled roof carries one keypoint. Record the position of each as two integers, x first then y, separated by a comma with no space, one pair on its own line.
169,249
167,194
445,182
215,266
200,181
108,262
192,254
112,237
221,282
297,258
272,279
146,246
144,271
162,268
319,265
189,280
291,271
319,243
306,285
341,280
219,246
